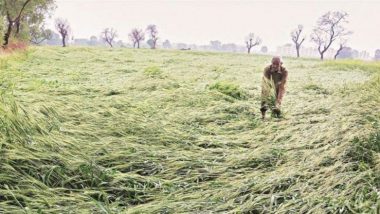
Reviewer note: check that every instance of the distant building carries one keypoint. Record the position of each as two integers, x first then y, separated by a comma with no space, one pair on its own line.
377,54
290,50
364,55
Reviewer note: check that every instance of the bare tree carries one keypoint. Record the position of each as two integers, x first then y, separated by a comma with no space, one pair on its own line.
252,41
329,28
63,28
136,36
342,45
297,38
109,35
152,31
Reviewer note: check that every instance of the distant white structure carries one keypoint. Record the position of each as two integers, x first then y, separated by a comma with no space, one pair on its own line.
364,55
290,50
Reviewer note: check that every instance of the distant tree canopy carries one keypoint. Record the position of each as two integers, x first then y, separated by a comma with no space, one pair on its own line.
23,18
167,44
377,54
345,53
216,44
93,41
264,49
2,28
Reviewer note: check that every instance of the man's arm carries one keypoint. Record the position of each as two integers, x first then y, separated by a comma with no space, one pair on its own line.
281,89
267,73
265,87
284,78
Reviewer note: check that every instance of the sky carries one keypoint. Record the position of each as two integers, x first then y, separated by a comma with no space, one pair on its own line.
200,21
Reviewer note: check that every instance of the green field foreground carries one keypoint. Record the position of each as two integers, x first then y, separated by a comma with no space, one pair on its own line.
96,130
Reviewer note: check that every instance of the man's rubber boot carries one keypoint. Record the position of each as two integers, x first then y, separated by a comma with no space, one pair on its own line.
276,112
263,111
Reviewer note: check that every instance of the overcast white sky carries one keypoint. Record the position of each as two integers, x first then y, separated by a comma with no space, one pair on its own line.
200,21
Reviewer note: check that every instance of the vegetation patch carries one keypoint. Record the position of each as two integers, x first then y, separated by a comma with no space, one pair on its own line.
363,150
318,89
153,71
229,89
166,145
351,65
268,160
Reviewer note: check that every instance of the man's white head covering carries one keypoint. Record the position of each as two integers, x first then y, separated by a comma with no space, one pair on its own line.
277,58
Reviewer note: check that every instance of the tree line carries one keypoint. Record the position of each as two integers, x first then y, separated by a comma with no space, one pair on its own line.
24,21
109,35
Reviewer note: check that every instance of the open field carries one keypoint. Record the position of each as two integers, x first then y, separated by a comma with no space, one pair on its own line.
86,130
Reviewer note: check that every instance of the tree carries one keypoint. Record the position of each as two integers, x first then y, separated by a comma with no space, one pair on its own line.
167,44
377,54
264,49
1,28
297,38
152,32
342,45
20,14
330,27
13,10
120,43
93,41
109,35
54,40
37,36
346,53
216,45
252,41
64,29
136,36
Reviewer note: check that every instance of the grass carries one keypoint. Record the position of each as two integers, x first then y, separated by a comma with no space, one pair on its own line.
229,89
96,130
316,88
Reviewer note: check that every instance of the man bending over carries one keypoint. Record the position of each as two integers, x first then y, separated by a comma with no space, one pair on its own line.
274,80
